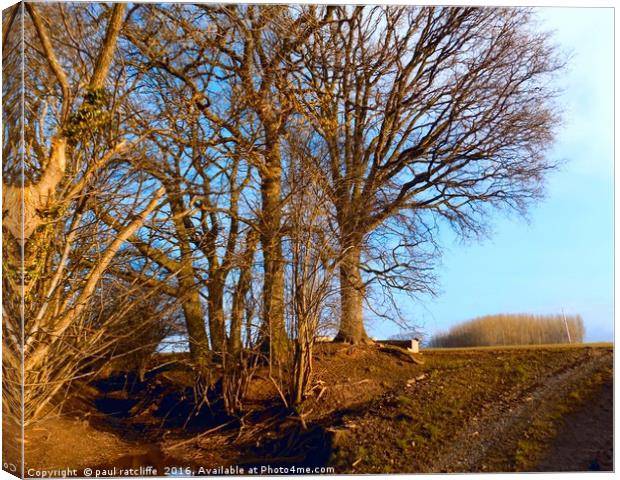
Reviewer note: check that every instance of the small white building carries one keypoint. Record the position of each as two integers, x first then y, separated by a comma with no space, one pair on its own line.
415,345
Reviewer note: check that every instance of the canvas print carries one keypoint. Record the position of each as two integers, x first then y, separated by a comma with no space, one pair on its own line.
297,239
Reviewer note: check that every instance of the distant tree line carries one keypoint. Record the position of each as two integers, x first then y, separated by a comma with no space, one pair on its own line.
512,329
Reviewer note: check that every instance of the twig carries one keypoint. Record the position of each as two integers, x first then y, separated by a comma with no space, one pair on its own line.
197,437
275,384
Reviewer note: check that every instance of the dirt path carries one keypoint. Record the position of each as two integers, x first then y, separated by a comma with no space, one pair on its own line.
586,440
501,425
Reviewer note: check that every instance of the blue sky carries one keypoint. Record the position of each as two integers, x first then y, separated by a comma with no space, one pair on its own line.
562,257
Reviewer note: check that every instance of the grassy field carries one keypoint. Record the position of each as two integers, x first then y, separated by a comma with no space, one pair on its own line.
370,410
478,409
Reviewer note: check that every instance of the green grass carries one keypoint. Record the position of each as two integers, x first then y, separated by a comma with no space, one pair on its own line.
539,435
405,433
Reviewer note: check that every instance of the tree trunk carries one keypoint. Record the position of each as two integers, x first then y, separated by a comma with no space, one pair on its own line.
351,297
217,328
239,295
194,321
236,321
273,333
23,208
241,290
192,306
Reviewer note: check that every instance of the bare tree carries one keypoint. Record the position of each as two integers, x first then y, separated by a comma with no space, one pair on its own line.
312,260
72,156
204,170
425,113
256,43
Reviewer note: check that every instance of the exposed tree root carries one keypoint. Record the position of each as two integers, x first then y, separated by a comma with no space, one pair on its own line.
400,352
